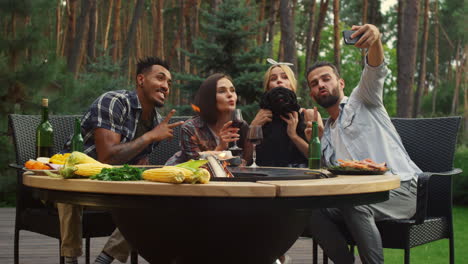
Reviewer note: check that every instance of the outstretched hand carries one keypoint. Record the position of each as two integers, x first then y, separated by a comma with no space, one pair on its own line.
227,134
165,130
370,34
314,116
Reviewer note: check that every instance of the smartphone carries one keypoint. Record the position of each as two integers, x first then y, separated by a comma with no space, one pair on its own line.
347,37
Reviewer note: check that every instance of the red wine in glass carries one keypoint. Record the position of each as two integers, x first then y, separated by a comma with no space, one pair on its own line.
255,136
237,122
255,141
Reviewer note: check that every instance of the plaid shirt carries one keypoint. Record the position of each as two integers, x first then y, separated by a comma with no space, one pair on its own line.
119,112
196,137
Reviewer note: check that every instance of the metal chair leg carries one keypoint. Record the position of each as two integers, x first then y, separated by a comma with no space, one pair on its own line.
61,258
15,251
134,257
407,255
87,249
325,258
452,250
314,252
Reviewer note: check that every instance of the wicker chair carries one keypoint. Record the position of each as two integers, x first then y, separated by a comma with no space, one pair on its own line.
31,214
431,144
167,148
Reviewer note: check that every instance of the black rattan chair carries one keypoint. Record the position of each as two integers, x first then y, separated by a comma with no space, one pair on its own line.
31,214
167,148
431,144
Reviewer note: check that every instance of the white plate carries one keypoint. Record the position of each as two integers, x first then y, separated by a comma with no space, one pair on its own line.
41,172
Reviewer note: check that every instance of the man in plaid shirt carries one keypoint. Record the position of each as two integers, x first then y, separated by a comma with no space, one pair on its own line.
120,127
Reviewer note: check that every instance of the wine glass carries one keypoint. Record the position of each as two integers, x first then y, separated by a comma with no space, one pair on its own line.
255,136
237,121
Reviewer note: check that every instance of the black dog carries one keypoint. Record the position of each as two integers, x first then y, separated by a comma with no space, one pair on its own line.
280,101
277,149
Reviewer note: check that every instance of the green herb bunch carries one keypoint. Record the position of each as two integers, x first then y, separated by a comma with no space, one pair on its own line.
125,173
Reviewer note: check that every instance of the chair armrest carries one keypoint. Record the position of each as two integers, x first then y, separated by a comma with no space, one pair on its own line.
15,166
455,171
421,197
423,192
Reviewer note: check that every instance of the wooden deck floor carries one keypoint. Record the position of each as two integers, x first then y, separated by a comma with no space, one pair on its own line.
39,249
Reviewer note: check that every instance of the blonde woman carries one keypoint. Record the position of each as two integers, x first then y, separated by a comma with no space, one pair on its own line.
284,143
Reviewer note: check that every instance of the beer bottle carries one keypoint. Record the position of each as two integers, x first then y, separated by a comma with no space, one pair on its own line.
77,139
44,133
315,149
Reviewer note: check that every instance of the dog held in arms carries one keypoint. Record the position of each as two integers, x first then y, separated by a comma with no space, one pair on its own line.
277,149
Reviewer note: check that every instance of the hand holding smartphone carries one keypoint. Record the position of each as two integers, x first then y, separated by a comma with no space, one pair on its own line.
347,37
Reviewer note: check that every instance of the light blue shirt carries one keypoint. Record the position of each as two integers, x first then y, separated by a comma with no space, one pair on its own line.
365,130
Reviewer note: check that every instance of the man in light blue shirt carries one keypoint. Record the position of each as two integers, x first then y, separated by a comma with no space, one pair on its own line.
359,127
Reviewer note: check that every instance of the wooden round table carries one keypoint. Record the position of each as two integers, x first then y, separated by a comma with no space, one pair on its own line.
218,222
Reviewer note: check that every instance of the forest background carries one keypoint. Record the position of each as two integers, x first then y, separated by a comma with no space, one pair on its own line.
71,51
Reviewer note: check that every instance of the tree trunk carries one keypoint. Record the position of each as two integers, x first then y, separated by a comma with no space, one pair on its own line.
436,57
458,75
108,24
310,33
364,12
287,33
318,30
336,31
115,49
58,27
271,25
158,24
130,41
80,40
408,25
422,67
71,27
181,33
363,22
261,17
93,23
465,91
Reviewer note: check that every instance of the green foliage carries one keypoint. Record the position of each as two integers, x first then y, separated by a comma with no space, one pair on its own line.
229,47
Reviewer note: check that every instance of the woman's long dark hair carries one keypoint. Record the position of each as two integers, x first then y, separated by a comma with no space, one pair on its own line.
206,97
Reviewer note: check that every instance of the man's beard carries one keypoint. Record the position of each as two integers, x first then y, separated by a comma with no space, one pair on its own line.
331,99
159,104
328,101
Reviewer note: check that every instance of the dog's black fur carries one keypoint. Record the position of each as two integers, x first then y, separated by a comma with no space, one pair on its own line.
280,101
277,149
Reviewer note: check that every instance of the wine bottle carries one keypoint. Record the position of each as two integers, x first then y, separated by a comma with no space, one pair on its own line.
77,139
315,149
45,133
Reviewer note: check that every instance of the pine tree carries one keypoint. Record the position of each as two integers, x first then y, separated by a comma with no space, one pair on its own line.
27,57
229,46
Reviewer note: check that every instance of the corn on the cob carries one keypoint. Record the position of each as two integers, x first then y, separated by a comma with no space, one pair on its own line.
77,157
203,175
89,169
166,174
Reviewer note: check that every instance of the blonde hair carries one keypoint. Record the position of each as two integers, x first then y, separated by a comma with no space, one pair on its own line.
287,70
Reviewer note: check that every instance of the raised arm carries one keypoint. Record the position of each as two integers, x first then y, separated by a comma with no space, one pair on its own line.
370,40
111,151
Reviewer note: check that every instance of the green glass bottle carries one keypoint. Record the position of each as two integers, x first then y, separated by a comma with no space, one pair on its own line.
77,139
315,149
45,133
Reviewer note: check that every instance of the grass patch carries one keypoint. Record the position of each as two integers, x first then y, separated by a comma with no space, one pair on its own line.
438,251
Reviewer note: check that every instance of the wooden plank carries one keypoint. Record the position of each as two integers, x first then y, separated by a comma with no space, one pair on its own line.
336,186
211,189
